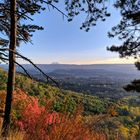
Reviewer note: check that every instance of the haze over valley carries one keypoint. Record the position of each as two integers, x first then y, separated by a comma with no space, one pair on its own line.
103,80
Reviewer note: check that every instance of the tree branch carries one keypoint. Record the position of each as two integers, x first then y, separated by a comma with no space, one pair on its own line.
53,6
6,59
26,59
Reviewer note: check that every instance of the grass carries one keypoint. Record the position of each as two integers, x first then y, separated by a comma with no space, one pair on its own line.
14,135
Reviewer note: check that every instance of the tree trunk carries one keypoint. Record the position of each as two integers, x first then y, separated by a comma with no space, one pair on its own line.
11,71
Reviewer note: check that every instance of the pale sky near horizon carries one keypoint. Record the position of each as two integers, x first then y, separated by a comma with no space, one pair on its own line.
64,42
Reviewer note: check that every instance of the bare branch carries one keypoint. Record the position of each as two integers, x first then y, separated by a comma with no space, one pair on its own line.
53,6
24,70
6,59
26,59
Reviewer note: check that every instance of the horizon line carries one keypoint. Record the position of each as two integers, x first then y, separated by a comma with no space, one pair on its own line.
75,64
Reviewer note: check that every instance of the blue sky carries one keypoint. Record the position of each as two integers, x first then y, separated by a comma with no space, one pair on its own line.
64,42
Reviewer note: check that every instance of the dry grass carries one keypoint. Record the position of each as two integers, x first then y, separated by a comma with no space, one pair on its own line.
14,135
75,129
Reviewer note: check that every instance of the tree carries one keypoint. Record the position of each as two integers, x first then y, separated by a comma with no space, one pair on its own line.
11,71
128,31
16,32
12,13
94,9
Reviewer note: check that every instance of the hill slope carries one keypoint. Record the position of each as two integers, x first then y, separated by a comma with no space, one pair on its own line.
106,117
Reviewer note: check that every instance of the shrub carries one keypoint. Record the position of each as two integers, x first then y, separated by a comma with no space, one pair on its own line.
35,120
41,123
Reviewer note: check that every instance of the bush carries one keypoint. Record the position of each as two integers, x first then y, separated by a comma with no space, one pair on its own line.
35,120
39,122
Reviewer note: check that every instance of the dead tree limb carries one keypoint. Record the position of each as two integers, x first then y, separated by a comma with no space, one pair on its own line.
6,59
26,59
54,7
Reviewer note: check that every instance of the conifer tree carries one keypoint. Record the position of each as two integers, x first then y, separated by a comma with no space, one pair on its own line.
11,71
128,31
12,13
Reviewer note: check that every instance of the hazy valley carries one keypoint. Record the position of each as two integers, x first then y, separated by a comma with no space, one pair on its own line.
100,80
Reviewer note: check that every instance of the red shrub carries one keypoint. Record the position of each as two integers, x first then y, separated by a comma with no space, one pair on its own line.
39,123
36,119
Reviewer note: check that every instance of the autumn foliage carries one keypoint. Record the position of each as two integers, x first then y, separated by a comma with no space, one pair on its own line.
39,123
43,112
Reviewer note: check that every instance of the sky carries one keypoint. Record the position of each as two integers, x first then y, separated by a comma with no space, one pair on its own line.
63,42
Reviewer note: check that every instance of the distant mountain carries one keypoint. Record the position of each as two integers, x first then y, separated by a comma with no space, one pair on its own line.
125,68
102,80
96,70
87,73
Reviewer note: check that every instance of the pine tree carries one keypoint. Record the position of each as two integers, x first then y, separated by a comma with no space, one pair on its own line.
11,72
12,13
128,31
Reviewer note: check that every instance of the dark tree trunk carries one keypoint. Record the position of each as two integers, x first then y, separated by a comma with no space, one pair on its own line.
11,71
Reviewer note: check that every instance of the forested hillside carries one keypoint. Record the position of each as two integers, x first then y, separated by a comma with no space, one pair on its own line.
98,80
42,111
